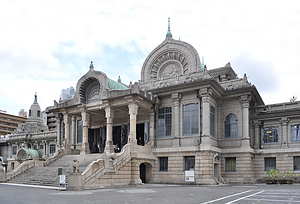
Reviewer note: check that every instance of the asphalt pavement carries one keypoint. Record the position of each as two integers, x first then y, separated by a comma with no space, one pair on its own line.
155,193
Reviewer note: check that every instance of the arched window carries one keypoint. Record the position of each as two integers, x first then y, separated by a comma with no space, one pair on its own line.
29,113
38,113
231,126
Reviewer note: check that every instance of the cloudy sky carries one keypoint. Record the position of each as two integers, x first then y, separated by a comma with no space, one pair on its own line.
46,46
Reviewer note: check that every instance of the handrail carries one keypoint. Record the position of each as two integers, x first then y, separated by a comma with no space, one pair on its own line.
53,158
20,169
121,159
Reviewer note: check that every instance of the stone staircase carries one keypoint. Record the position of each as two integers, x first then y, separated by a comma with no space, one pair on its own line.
48,176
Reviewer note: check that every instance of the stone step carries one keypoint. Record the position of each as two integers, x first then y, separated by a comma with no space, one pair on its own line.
48,176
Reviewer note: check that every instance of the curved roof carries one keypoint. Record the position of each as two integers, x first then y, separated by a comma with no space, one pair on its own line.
4,160
28,153
170,58
115,85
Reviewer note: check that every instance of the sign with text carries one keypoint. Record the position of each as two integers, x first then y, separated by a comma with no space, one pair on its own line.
189,176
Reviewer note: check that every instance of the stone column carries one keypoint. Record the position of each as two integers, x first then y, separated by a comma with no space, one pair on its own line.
73,130
151,128
245,110
85,145
256,135
284,124
176,101
67,146
47,147
109,114
58,129
133,111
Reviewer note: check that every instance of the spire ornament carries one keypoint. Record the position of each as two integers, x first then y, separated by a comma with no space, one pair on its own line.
169,34
91,65
35,98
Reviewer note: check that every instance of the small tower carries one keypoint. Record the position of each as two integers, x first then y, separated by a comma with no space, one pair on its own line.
169,34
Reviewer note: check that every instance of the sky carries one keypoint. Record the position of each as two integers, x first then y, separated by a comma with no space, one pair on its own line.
46,46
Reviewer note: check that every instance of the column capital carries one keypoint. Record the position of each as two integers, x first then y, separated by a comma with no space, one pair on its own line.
133,108
206,91
66,118
176,96
109,112
85,118
284,121
245,99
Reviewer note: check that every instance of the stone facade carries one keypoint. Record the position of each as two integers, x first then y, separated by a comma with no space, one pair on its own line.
180,116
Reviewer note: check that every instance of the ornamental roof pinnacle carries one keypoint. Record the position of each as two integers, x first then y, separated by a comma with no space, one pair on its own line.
169,34
91,65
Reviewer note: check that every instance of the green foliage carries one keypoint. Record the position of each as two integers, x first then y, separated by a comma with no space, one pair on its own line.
275,174
293,99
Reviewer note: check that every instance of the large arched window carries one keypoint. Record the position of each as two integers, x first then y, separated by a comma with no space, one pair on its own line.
231,126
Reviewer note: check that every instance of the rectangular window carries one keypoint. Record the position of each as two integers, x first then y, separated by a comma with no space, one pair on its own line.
164,122
163,164
191,119
270,134
297,163
41,146
79,131
52,149
295,133
230,164
212,121
14,149
270,163
189,163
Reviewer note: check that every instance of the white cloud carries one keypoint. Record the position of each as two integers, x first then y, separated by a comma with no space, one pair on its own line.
47,45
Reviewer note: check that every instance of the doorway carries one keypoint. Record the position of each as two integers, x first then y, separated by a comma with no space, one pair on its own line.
145,172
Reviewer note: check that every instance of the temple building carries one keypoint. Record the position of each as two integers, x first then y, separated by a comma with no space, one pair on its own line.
179,117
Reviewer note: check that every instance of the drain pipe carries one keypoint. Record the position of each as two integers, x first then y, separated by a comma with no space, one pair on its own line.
200,107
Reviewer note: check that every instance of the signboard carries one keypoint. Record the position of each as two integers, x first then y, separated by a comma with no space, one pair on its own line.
189,176
62,181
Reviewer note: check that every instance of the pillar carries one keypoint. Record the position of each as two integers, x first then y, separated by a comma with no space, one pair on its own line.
284,127
67,146
73,130
58,129
257,135
109,114
133,111
85,145
151,128
245,110
176,102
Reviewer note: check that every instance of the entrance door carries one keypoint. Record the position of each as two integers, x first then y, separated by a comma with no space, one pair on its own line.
143,172
93,138
140,134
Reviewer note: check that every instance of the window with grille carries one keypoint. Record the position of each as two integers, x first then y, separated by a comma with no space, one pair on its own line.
230,164
231,126
163,163
295,133
164,122
270,163
189,163
270,134
191,119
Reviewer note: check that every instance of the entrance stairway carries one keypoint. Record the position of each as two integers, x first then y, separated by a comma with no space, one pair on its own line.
48,176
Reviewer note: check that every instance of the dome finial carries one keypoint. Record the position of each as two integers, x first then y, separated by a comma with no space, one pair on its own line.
91,65
35,98
169,34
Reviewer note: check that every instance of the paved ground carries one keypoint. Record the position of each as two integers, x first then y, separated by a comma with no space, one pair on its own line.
155,193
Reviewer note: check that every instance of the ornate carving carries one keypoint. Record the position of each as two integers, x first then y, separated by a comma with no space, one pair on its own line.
169,64
170,69
93,91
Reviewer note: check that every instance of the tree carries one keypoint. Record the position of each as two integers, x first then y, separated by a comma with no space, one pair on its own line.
293,99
